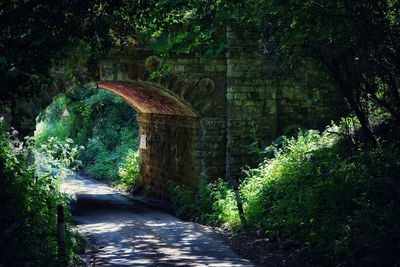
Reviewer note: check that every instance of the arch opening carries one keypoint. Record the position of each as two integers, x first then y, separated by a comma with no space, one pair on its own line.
167,131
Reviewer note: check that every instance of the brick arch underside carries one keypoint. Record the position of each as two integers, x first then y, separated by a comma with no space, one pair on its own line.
170,127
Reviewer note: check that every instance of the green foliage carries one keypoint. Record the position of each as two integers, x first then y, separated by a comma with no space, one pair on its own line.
37,35
216,203
64,151
183,200
324,193
29,196
213,203
336,35
102,123
129,171
321,192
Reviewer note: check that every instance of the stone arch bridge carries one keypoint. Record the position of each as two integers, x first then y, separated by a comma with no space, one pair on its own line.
201,118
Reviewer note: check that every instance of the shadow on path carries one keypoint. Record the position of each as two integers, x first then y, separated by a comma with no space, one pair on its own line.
123,232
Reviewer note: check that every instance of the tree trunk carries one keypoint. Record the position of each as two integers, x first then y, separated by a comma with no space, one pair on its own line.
363,121
239,203
355,107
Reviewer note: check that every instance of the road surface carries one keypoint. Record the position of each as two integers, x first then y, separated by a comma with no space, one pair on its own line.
122,232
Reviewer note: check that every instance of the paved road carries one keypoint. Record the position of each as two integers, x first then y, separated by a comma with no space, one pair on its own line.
123,232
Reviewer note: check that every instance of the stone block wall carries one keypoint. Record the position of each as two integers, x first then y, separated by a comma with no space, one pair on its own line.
199,84
306,99
170,152
261,104
235,103
251,101
209,79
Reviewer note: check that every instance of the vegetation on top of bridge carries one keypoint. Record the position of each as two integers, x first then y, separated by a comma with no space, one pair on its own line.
356,43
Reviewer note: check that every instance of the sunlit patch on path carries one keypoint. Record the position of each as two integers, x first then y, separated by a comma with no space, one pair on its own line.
122,232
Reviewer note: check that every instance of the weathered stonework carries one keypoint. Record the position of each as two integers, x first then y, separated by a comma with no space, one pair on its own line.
203,115
204,96
261,104
170,152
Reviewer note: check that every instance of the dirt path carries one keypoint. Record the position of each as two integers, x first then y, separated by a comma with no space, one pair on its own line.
123,232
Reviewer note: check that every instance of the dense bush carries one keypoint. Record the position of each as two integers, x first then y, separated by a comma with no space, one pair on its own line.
101,122
337,199
213,203
29,197
129,170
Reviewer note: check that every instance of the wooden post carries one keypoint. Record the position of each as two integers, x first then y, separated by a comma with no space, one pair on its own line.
61,236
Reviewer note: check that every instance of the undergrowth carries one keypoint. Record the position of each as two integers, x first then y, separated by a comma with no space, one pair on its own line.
29,198
321,192
129,170
212,204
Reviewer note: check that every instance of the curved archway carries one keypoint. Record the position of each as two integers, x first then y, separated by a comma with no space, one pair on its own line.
148,99
168,134
184,120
